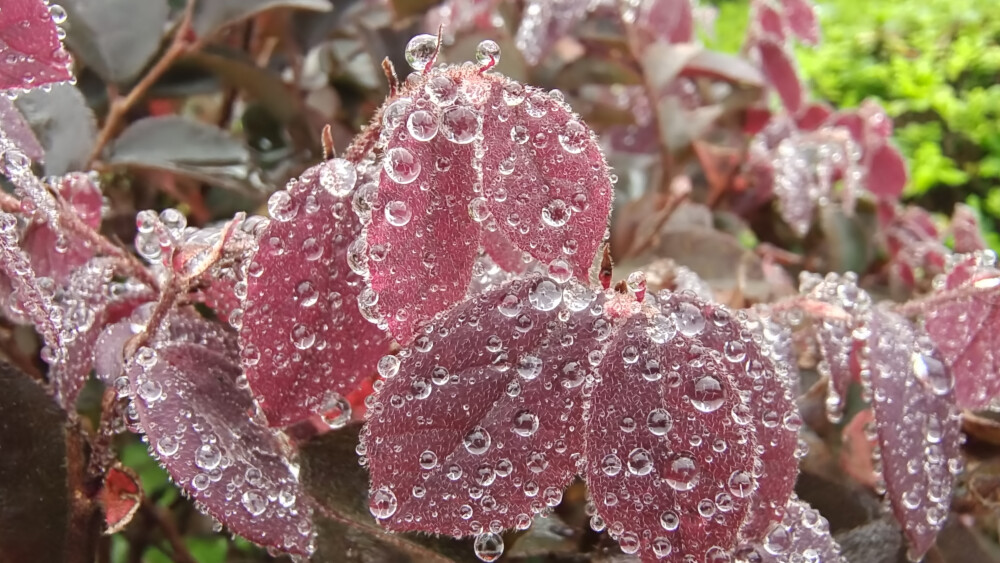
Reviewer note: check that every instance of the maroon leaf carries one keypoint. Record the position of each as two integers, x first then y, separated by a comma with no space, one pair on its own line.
886,172
304,341
54,253
772,25
965,229
803,534
813,116
29,45
780,72
671,439
482,426
31,297
917,426
961,319
187,400
669,20
17,129
801,18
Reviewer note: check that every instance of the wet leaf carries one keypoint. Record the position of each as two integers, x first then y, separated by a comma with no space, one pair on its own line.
780,71
187,401
802,21
802,533
670,20
17,129
966,230
887,174
304,342
29,46
63,123
487,422
116,38
917,426
211,15
121,497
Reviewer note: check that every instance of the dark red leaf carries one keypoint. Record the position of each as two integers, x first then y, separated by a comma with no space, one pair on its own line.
854,123
482,426
187,400
961,319
802,535
772,25
781,74
876,121
801,18
304,342
29,45
965,229
55,254
887,173
543,22
121,497
917,426
30,298
17,129
669,20
813,116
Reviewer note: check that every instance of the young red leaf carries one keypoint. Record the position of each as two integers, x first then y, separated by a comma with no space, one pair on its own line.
304,342
801,18
469,161
30,298
780,72
187,401
55,253
482,426
802,535
917,424
771,24
813,116
120,497
887,174
857,455
965,229
29,45
960,319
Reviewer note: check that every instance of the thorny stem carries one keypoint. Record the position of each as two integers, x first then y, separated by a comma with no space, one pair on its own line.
423,553
119,106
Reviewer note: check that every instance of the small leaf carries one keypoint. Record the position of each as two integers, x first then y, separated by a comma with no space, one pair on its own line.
16,129
801,18
857,453
671,20
960,319
723,66
185,147
29,46
188,403
211,15
802,533
121,497
662,62
31,297
35,475
813,116
64,124
116,38
887,173
485,413
771,24
917,426
304,342
780,71
966,230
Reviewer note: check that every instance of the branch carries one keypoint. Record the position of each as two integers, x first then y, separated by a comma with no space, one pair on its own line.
421,552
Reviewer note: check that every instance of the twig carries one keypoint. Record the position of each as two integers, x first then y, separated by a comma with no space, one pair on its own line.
119,106
423,553
181,553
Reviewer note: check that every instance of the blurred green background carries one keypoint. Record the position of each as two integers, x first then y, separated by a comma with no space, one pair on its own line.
934,65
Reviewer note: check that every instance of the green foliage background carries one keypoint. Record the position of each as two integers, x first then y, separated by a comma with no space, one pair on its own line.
934,65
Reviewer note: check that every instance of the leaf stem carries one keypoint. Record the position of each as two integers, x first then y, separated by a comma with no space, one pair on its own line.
119,107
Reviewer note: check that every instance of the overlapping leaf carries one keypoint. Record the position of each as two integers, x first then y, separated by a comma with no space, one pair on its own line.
187,401
917,426
472,159
304,341
29,46
802,535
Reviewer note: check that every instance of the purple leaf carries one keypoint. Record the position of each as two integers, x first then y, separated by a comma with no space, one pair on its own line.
801,18
18,131
961,319
965,229
780,72
802,535
482,426
304,341
886,172
917,426
187,401
56,254
29,45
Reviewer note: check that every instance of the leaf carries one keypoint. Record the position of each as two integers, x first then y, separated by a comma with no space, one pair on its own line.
16,129
304,342
211,15
38,466
31,296
801,18
960,320
434,234
857,452
485,414
813,116
116,38
29,46
887,174
64,124
670,20
543,22
917,426
770,21
188,403
966,230
121,497
723,66
780,71
802,533
662,62
182,146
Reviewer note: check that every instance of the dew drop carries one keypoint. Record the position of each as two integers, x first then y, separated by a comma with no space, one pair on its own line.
401,166
573,137
460,124
545,296
388,366
708,394
208,457
681,473
281,208
659,422
556,213
689,319
611,465
382,503
513,93
529,367
254,502
477,441
640,461
420,51
338,177
488,546
422,125
441,90
397,213
669,521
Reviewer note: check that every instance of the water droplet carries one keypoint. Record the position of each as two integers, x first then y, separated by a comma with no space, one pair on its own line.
519,134
525,423
382,503
397,213
388,366
338,176
681,473
611,465
401,165
662,547
254,502
208,457
460,124
536,105
659,422
689,319
574,137
560,270
477,441
303,337
422,125
513,93
281,207
306,293
58,14
487,50
669,521
545,296
167,446
488,547
529,367
742,483
708,394
640,461
420,51
735,351
556,213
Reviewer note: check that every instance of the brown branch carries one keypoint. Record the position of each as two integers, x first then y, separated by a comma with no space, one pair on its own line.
119,107
166,525
421,552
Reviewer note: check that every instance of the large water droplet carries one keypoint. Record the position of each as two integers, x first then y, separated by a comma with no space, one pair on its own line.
487,50
254,502
529,367
556,213
477,441
659,422
338,176
574,137
689,319
401,165
525,423
681,472
488,546
382,503
640,461
281,207
397,213
545,296
611,465
208,457
420,51
422,125
460,124
708,394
